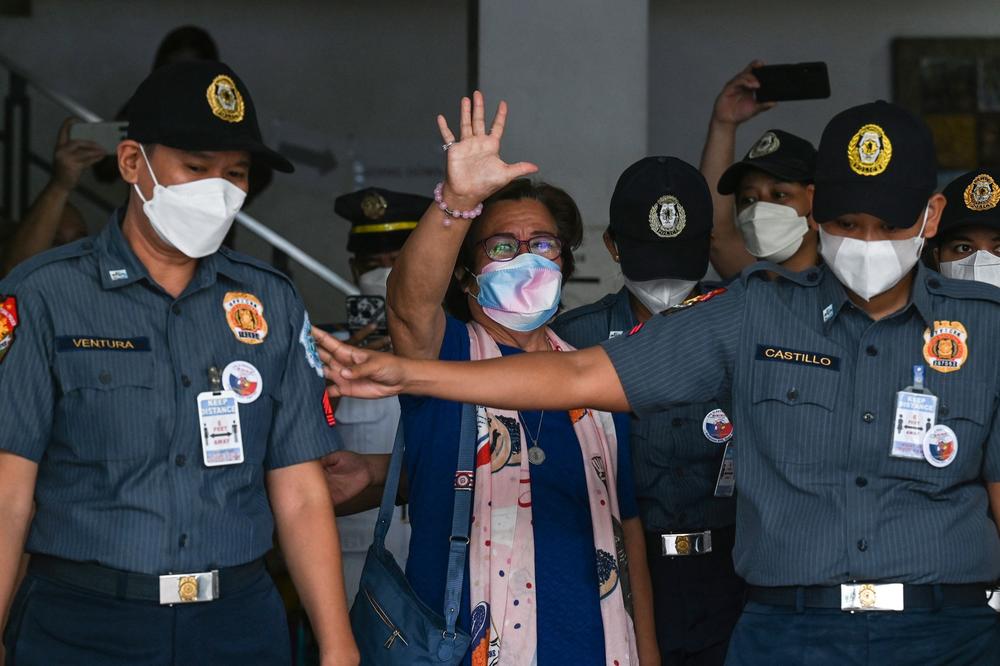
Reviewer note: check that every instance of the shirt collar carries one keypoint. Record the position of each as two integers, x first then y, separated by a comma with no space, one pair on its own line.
833,296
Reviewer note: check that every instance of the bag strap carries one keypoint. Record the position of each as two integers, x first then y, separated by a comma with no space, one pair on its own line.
391,489
458,547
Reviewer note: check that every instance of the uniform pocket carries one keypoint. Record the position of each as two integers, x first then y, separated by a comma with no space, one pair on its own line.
106,408
793,412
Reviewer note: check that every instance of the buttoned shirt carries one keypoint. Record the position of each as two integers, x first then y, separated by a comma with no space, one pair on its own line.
675,464
99,387
814,381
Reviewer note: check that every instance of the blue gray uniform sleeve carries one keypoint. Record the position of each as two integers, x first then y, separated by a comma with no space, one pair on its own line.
300,430
991,459
684,355
27,387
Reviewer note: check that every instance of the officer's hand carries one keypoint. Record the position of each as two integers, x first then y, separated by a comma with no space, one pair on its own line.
71,157
474,168
347,474
365,338
358,373
736,103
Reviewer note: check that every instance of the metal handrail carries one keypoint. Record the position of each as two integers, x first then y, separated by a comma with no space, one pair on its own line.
255,226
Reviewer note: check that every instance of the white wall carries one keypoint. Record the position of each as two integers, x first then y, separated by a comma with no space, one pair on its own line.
349,75
573,72
695,47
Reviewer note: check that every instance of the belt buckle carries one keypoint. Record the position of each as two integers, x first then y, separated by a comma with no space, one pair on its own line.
189,588
692,543
863,597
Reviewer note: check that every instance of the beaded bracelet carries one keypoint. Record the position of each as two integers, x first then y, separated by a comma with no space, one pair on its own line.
465,214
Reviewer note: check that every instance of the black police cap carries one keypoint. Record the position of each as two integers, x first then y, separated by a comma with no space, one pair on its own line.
877,158
199,105
661,220
787,157
381,220
972,200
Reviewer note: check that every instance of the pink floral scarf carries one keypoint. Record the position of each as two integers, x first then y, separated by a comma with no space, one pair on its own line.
502,548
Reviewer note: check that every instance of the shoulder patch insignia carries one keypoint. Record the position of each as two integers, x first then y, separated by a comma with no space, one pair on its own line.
694,300
8,322
946,346
309,345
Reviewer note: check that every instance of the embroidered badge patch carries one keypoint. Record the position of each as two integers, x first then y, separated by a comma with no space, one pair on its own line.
667,217
309,345
8,322
244,380
766,144
982,193
245,316
717,427
869,151
946,346
813,359
225,100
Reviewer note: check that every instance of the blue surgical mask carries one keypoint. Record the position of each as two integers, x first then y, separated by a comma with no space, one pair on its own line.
521,294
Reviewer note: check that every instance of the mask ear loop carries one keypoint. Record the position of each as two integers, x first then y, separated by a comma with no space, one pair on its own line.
152,175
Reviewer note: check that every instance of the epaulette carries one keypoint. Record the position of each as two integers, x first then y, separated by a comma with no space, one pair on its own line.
810,277
76,249
694,300
253,262
971,290
597,306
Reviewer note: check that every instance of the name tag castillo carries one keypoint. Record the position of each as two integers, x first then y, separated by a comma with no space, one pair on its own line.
66,343
798,357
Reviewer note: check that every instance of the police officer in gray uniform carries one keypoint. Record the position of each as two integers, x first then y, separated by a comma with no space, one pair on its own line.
161,405
685,505
865,392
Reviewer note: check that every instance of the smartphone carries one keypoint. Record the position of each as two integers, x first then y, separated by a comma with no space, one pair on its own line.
363,310
804,80
106,135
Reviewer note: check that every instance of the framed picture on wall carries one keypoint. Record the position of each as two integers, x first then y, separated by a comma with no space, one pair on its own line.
954,84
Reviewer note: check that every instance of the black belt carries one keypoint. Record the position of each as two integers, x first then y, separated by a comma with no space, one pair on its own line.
129,585
914,596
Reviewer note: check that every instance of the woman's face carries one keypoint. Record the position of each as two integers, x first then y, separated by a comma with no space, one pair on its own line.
968,240
758,186
523,219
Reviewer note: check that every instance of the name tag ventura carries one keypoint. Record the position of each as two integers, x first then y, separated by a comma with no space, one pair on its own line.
814,359
66,343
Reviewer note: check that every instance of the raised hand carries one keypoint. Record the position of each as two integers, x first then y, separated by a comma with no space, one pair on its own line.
474,167
358,373
71,157
736,103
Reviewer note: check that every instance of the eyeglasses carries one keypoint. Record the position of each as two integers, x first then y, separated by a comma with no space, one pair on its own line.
504,247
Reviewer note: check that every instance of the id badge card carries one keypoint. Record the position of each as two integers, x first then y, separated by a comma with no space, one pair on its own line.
219,423
916,414
726,483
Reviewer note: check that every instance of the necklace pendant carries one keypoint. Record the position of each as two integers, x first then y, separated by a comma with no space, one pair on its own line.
535,455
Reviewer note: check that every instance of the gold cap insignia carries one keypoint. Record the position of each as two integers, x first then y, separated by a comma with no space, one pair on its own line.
766,144
982,193
869,151
667,217
374,206
225,100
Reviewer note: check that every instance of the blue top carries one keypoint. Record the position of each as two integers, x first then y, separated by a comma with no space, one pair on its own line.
98,384
814,382
676,465
569,625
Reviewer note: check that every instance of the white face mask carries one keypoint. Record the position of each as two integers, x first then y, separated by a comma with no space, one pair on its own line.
658,295
982,266
771,232
870,268
192,217
373,282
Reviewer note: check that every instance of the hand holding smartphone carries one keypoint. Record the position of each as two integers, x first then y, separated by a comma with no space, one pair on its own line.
804,80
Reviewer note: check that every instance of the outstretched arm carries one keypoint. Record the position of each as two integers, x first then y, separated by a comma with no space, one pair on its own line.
540,380
734,106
